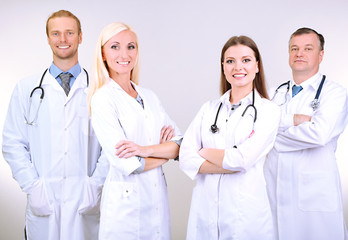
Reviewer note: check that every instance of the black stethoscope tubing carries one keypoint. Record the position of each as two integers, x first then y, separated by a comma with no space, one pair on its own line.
214,128
315,102
39,87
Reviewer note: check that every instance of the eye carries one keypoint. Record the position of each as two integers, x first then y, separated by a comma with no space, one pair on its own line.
115,47
70,33
293,49
229,61
308,49
55,34
246,60
131,47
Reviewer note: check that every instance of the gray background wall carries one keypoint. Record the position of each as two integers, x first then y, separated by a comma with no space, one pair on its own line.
180,44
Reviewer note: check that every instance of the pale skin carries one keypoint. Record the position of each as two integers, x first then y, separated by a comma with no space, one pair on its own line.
120,54
64,39
240,68
304,59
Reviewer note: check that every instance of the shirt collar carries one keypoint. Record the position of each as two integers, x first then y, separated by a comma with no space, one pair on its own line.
225,98
55,71
309,82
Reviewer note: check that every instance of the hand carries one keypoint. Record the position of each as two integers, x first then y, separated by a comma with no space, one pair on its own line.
127,149
301,118
167,133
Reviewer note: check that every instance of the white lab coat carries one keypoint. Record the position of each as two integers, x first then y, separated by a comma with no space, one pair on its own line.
52,161
231,206
134,206
301,171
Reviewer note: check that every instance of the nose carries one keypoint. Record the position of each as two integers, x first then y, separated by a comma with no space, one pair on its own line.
238,65
63,37
124,52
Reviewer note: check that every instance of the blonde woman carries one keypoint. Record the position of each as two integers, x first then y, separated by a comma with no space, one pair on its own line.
137,136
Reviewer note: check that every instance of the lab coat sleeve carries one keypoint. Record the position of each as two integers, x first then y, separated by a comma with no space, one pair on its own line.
327,123
190,161
15,145
256,147
168,121
109,132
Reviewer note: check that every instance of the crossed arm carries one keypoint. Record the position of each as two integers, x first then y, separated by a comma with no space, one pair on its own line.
214,158
154,155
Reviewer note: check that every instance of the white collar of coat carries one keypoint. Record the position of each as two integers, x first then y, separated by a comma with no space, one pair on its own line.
115,85
80,81
313,81
225,98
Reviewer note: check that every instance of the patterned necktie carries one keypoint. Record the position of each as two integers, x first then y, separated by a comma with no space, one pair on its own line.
65,82
296,90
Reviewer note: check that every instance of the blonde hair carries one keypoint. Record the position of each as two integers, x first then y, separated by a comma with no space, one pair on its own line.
100,73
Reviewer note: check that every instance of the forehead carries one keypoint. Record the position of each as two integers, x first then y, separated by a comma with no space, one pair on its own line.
239,51
61,24
305,39
124,36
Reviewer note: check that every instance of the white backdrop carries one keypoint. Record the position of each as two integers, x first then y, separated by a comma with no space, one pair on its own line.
180,44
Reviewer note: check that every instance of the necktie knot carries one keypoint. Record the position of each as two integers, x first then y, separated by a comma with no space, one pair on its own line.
295,90
65,77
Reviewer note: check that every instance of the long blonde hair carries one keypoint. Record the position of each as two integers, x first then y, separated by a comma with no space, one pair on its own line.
100,74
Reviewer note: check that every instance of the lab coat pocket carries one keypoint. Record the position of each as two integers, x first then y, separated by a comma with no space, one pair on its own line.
38,199
91,199
120,212
318,192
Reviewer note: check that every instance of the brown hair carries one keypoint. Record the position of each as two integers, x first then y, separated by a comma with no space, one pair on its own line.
64,13
259,81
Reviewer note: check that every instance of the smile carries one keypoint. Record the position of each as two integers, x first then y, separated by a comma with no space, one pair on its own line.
124,63
239,75
63,47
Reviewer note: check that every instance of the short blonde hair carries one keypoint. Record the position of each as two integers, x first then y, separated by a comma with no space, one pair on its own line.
100,73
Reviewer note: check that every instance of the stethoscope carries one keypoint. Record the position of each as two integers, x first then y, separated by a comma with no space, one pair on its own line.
314,103
214,128
40,88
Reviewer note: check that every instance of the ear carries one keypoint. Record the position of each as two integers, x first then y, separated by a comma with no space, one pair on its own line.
80,38
321,56
257,66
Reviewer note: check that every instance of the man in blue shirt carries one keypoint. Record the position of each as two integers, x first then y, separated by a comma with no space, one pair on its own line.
50,145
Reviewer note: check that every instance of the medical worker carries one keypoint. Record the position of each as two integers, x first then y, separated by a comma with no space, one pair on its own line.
50,146
224,148
128,120
301,170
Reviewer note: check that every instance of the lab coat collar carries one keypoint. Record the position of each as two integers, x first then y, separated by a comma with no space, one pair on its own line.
312,82
115,85
225,98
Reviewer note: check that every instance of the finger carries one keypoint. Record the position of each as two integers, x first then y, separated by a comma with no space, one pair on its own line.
162,131
170,135
120,143
120,149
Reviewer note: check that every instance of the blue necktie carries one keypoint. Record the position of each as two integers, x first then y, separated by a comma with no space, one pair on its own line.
296,90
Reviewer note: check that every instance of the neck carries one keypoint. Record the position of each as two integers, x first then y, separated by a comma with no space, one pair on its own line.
65,64
124,81
300,77
238,94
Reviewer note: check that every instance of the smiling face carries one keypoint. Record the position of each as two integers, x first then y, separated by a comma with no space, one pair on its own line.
240,67
305,55
64,38
120,54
